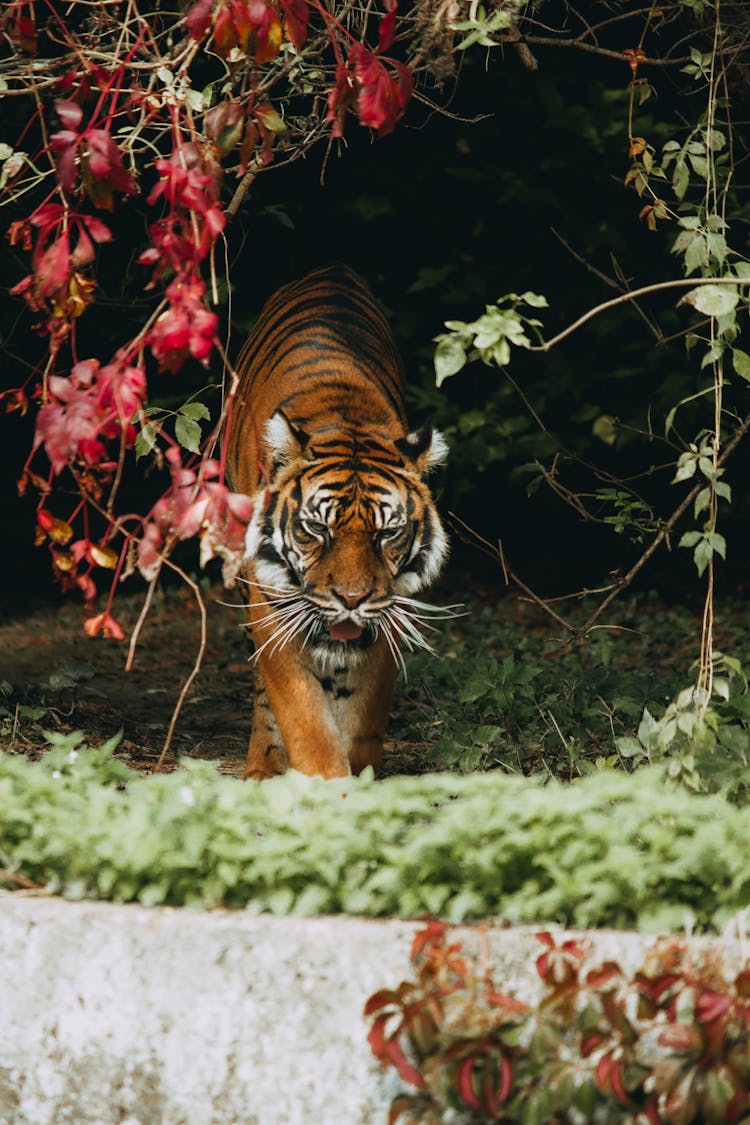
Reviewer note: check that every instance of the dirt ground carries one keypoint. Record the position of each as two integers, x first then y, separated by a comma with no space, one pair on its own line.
49,661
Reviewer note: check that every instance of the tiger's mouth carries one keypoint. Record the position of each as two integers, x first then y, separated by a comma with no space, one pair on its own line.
347,633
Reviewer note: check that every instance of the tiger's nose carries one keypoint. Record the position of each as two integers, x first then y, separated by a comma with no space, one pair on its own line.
351,598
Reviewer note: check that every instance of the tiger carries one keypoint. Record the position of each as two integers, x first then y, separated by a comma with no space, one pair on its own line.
344,530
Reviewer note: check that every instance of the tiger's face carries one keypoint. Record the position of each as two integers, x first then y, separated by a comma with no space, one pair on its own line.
343,537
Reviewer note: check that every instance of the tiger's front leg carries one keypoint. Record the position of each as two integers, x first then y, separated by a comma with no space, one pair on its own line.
292,721
293,725
365,704
267,756
325,719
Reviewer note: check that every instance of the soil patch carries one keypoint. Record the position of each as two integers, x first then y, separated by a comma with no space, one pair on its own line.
80,683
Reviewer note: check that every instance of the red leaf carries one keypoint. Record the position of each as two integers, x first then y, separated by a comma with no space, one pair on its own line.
395,1054
495,1099
296,18
603,974
617,1084
382,98
602,1073
199,18
105,624
340,98
69,112
387,1050
711,1005
431,935
65,146
266,30
149,546
98,230
681,1037
387,29
187,327
59,531
589,1043
22,30
225,32
742,983
105,167
52,269
465,1084
378,1000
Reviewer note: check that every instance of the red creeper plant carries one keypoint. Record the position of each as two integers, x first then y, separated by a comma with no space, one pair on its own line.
669,1045
156,109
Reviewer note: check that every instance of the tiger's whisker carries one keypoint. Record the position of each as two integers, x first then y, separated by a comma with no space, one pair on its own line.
392,645
284,627
444,612
409,634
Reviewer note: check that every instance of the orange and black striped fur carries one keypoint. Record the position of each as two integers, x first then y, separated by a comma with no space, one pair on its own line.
344,531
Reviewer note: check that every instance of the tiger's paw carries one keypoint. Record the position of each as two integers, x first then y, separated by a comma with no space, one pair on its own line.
258,775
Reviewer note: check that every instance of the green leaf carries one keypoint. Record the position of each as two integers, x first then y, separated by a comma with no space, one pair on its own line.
695,254
702,555
713,300
686,466
690,538
535,300
680,179
629,747
702,501
718,543
146,440
700,165
188,433
450,357
605,428
194,410
741,363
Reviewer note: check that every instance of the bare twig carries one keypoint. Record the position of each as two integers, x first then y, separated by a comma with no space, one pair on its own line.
631,295
196,666
664,531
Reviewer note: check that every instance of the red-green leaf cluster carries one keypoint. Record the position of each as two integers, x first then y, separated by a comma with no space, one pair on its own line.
668,1046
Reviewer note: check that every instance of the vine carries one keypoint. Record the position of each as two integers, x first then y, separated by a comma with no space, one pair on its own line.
137,110
666,1044
699,172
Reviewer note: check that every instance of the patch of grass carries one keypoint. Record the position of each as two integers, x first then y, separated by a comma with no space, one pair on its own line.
508,690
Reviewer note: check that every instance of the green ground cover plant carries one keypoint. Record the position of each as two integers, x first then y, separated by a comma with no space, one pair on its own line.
606,850
510,692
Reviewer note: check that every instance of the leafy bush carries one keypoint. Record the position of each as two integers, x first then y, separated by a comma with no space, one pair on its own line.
670,1044
508,694
609,849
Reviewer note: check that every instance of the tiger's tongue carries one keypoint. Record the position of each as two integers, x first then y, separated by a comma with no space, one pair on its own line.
345,631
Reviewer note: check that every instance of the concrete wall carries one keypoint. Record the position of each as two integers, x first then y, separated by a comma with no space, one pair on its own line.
120,1014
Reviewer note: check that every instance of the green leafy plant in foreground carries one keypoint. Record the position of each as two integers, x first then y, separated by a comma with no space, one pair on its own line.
667,1044
607,850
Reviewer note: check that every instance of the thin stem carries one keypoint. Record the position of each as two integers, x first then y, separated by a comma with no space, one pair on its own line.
677,283
196,666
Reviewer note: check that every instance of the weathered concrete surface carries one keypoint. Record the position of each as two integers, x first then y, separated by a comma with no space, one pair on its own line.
120,1014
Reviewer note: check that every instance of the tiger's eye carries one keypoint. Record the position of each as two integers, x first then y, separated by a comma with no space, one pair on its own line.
391,536
313,528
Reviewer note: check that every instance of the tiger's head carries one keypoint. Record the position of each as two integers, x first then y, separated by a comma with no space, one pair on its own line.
344,535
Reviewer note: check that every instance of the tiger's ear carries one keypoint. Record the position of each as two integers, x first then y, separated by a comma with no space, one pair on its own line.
426,447
284,440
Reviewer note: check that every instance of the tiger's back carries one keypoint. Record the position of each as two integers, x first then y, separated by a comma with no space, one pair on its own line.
320,350
344,530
